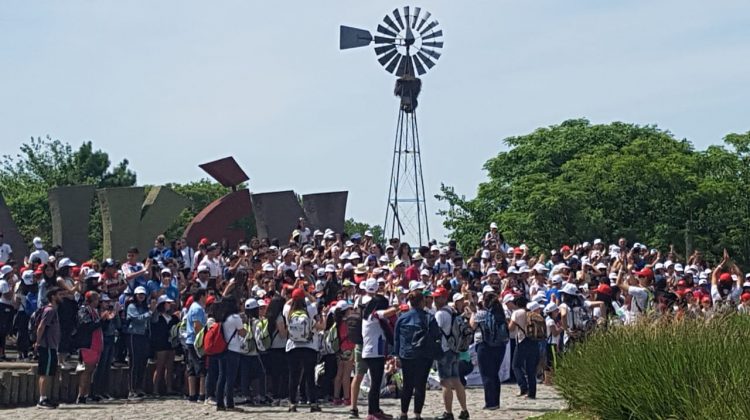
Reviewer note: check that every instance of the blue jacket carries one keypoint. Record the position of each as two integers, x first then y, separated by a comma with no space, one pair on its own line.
138,319
407,325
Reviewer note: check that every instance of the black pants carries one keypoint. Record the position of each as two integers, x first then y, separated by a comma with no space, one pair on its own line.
415,373
251,369
121,347
229,365
23,341
101,374
490,360
376,367
278,368
525,362
138,350
67,312
212,376
302,367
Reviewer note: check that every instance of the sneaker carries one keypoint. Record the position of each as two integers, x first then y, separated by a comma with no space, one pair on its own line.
134,397
382,416
521,393
141,395
81,400
209,401
347,402
445,416
403,417
46,404
337,402
220,408
95,398
353,413
292,408
315,408
497,407
80,367
193,399
277,403
464,415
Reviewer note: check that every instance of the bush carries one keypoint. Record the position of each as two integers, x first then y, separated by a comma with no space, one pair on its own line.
685,370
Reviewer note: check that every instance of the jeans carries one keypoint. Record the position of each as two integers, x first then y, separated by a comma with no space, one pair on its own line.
212,377
489,360
376,367
302,367
415,373
101,374
138,350
251,368
278,368
525,362
229,364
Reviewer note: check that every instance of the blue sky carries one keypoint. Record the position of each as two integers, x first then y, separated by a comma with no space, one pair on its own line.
171,84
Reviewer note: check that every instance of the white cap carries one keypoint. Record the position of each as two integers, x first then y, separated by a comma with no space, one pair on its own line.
91,274
521,263
493,225
508,298
512,270
658,266
317,233
556,279
539,297
38,244
354,256
244,248
491,271
368,233
384,259
321,272
524,269
204,268
597,241
702,281
342,305
488,289
416,285
140,290
267,267
569,289
164,298
613,276
586,245
703,276
443,251
601,266
458,296
66,262
551,307
540,268
678,267
348,244
251,303
370,285
5,270
533,306
28,277
435,248
486,254
330,268
166,271
348,266
425,272
4,287
286,252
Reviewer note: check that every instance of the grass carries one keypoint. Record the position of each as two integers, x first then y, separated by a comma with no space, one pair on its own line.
684,369
563,415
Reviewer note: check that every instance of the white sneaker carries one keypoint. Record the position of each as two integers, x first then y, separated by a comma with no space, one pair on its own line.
80,367
210,401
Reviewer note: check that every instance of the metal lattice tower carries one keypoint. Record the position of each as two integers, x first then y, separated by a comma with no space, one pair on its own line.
408,44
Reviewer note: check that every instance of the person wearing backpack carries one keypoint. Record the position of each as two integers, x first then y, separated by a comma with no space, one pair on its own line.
526,357
415,350
448,364
302,321
161,325
344,355
90,341
492,342
196,365
278,367
139,314
252,370
48,340
27,296
231,326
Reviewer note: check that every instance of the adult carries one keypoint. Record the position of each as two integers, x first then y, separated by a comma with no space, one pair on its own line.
491,343
302,323
110,324
195,320
39,252
162,321
134,272
229,361
278,367
48,339
448,364
252,370
344,356
414,363
160,252
67,309
138,315
185,256
6,308
6,251
526,357
90,341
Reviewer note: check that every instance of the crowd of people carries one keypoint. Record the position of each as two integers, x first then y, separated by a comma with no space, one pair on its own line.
325,316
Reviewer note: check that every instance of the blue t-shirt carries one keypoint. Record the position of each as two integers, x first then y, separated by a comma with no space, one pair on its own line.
156,286
553,291
195,313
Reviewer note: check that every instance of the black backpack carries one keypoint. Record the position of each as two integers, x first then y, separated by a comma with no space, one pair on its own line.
428,340
354,328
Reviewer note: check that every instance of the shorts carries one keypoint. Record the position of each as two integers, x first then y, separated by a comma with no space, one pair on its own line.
448,366
90,356
345,355
360,366
47,362
196,366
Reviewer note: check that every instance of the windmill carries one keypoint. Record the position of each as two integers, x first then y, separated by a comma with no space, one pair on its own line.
407,44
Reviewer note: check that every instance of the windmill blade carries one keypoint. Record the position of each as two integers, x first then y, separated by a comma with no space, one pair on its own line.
397,15
392,65
433,44
432,35
405,67
424,20
384,40
432,53
432,24
417,11
385,31
385,58
420,68
406,15
426,60
384,49
388,21
353,37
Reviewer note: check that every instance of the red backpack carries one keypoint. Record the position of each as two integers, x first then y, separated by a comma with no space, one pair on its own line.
213,340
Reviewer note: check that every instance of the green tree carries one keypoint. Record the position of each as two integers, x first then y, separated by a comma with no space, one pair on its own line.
352,226
576,181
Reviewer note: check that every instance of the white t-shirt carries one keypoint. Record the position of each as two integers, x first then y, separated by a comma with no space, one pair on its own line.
5,251
519,317
41,254
733,295
314,344
231,324
639,300
373,338
214,266
279,338
551,339
444,318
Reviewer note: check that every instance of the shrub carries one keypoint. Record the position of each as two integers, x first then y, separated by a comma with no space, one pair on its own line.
686,370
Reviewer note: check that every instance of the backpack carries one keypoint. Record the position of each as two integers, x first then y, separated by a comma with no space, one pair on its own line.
428,340
213,340
249,344
354,328
460,337
34,320
582,320
536,328
198,344
494,330
175,335
299,326
262,337
331,342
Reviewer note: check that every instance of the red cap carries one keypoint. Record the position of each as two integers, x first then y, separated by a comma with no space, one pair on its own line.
189,302
86,264
76,271
210,300
405,307
682,283
646,272
682,292
440,292
603,289
706,299
725,277
565,248
203,241
38,271
745,297
298,294
518,251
